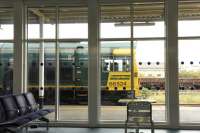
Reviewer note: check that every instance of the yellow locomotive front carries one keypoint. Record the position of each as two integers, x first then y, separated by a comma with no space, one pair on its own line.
121,80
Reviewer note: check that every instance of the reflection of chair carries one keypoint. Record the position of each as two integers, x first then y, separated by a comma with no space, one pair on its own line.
139,114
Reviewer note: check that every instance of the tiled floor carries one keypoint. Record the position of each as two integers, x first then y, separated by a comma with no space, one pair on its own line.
188,114
105,130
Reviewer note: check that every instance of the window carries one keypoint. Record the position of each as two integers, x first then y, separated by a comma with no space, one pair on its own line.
6,51
188,57
119,65
64,50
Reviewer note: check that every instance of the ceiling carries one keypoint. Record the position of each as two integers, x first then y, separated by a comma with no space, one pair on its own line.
142,12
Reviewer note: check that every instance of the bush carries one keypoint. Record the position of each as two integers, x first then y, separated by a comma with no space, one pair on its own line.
145,93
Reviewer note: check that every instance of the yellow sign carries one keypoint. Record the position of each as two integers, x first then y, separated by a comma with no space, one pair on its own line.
122,81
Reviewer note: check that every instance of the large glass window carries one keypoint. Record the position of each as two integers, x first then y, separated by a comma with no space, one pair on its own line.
189,63
72,60
115,78
112,25
191,31
73,80
150,59
189,80
73,23
41,54
6,68
145,29
143,64
148,20
6,50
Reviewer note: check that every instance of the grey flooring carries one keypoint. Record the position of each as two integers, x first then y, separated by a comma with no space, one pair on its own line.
105,130
118,113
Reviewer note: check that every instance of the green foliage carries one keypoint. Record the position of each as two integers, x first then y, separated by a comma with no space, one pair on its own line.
189,97
158,96
189,74
145,93
185,97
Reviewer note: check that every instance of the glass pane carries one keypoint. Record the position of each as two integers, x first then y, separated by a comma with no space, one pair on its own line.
73,22
150,29
113,22
188,28
49,73
41,16
73,81
189,19
33,24
6,68
33,67
189,80
49,31
115,79
189,63
150,56
41,25
6,25
35,34
73,58
148,59
6,50
149,19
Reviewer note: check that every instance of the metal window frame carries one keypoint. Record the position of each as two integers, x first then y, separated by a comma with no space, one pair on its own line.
39,3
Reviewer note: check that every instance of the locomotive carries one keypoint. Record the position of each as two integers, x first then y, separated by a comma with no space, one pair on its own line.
73,69
73,63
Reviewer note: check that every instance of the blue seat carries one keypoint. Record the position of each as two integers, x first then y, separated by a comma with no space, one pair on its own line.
33,104
10,107
15,122
9,113
22,104
17,111
24,109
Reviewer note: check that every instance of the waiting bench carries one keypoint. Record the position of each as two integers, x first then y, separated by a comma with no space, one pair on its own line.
17,111
139,114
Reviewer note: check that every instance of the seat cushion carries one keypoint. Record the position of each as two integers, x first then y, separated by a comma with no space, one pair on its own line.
2,113
42,112
31,116
15,122
10,107
49,110
22,104
31,101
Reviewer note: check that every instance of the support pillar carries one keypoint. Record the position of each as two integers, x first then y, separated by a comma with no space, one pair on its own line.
57,91
94,86
172,99
41,65
18,47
